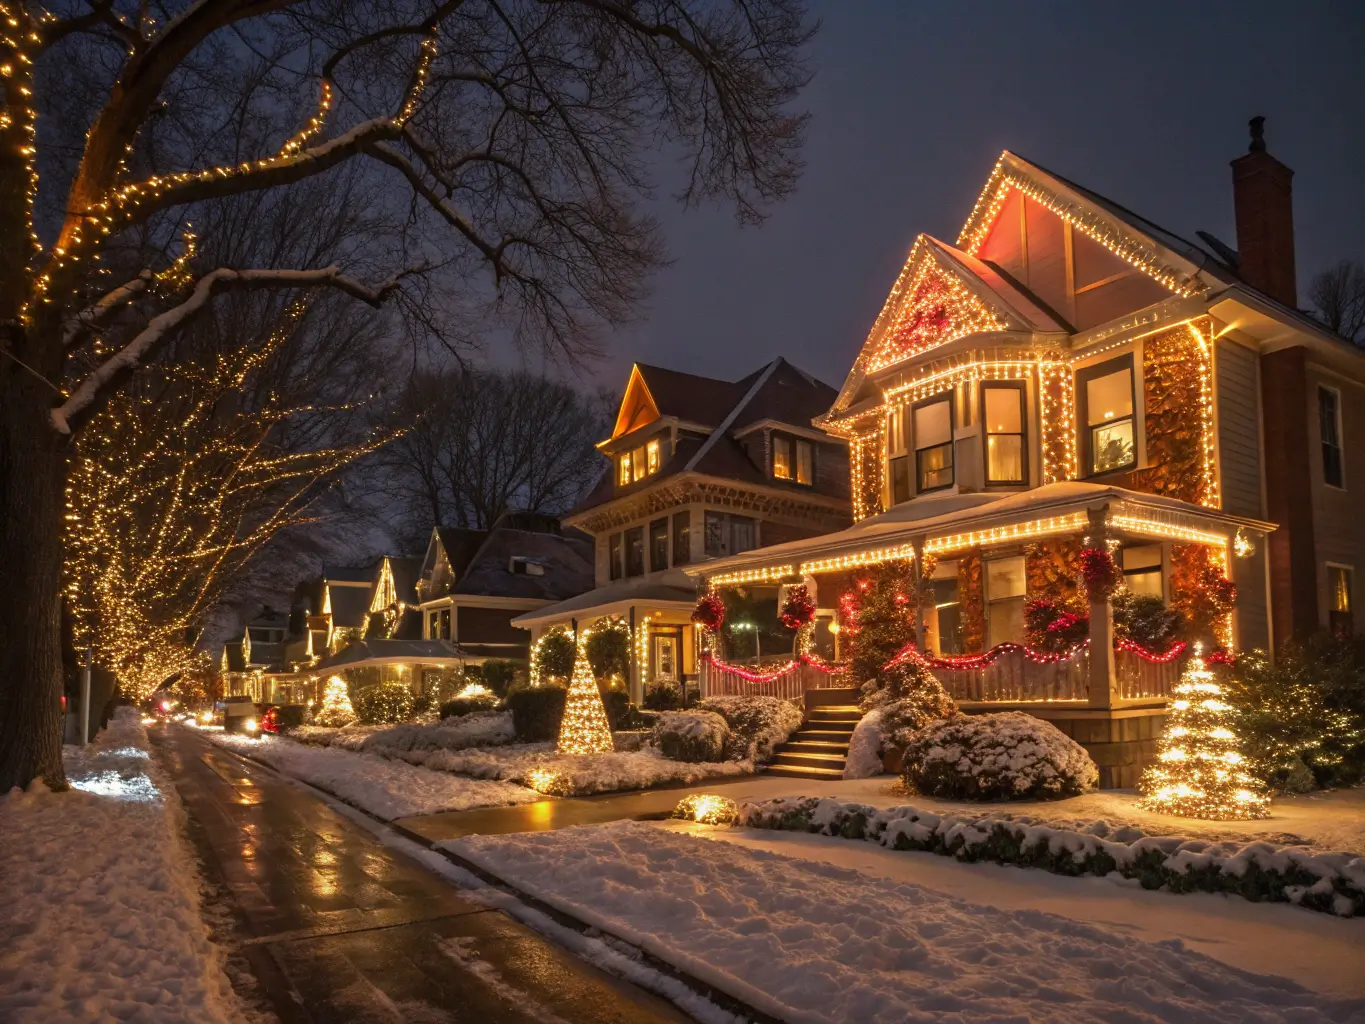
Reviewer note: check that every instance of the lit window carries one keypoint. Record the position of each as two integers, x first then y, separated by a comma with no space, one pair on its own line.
805,463
1005,587
1109,420
1329,426
641,465
782,458
652,457
623,477
897,459
1340,578
933,426
1004,414
1142,571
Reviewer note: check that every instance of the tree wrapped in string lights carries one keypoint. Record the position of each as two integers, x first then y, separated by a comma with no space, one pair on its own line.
1199,772
336,710
522,199
584,729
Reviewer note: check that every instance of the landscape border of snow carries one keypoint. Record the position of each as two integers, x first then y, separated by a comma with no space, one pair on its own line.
124,919
709,920
598,946
363,791
1333,883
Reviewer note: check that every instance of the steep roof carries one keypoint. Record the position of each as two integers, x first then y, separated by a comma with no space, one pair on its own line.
349,573
350,607
405,574
460,544
691,397
567,559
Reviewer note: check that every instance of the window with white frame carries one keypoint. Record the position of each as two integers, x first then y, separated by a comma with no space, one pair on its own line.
1003,416
1006,585
1142,570
1329,428
933,434
1110,425
897,458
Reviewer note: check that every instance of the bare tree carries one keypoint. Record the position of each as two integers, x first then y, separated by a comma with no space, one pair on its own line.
1338,296
482,442
520,136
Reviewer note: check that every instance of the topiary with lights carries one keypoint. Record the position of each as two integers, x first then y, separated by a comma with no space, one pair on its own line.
584,729
1199,772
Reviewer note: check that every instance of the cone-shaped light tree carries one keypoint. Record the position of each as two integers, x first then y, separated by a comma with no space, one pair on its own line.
1199,771
336,709
584,729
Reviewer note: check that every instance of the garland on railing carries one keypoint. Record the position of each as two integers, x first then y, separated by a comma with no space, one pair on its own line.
985,659
819,664
1165,658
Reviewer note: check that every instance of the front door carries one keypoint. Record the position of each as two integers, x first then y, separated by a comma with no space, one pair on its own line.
665,655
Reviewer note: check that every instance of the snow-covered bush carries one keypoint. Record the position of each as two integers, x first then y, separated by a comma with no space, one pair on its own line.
758,723
864,758
663,696
473,697
1333,883
386,702
480,729
909,681
1006,756
691,735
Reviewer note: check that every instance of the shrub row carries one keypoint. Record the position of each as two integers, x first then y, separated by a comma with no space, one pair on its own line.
1333,883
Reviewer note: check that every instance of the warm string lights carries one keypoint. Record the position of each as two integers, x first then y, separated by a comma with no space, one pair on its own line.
19,120
336,710
1011,173
1154,526
767,574
1057,414
970,662
584,729
876,556
1208,437
1199,772
786,668
866,462
1164,658
1005,534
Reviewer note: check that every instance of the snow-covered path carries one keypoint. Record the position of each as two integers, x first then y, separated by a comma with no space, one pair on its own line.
387,789
812,941
99,897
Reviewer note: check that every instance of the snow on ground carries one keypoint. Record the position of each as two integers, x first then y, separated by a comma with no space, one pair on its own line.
1319,951
811,941
412,741
387,789
582,774
100,896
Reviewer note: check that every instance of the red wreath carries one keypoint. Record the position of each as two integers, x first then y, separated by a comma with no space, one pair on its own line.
799,609
710,612
1101,573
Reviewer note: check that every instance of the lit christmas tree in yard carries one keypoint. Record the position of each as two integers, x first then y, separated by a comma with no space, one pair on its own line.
584,729
1199,771
336,709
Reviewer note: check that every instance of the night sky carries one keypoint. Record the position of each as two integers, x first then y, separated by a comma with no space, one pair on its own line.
913,102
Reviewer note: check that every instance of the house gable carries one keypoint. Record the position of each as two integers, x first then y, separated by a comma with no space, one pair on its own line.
638,407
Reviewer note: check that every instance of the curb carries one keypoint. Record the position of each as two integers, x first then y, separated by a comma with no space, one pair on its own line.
722,999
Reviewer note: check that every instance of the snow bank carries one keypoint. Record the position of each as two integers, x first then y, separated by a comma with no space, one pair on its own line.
1330,882
100,896
805,941
385,788
481,729
865,747
536,764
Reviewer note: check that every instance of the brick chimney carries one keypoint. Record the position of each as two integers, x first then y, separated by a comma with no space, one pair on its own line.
1262,195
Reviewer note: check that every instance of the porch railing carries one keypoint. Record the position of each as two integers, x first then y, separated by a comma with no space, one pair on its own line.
717,681
1141,679
1014,678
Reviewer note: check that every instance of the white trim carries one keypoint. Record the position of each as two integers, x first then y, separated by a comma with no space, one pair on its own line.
1341,435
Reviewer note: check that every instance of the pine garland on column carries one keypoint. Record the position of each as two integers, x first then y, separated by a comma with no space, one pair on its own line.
584,729
1199,771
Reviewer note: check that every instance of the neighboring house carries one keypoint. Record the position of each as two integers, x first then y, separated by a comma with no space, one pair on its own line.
699,469
249,658
1069,372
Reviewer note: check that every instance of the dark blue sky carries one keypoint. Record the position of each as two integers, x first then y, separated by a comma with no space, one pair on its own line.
1145,103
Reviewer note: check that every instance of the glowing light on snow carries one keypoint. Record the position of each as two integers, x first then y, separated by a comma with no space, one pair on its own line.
136,788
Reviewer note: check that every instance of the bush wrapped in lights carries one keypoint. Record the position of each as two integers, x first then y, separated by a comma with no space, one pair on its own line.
336,711
1199,772
384,703
706,809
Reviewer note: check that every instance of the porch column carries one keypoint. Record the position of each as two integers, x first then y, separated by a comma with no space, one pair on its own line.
918,544
1103,677
636,683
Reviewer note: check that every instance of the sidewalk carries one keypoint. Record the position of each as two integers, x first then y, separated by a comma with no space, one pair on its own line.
357,931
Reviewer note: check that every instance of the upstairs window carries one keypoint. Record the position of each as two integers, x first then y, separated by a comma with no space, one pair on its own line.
634,466
898,462
1003,414
933,433
682,538
793,460
1329,427
658,545
623,475
616,557
652,457
1110,428
635,551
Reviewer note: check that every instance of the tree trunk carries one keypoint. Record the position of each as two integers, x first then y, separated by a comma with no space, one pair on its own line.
32,499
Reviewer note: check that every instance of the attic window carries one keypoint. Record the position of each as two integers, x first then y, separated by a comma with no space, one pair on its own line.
523,566
635,465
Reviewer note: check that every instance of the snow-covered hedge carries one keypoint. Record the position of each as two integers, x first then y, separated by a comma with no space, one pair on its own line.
1005,756
691,736
1333,883
482,729
864,758
758,723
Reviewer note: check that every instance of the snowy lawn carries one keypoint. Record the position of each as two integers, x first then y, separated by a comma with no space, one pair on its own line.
412,741
536,764
809,941
385,788
100,896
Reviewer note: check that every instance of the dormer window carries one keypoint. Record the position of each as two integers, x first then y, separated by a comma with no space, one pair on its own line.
933,433
793,460
1110,434
634,466
523,566
623,475
652,457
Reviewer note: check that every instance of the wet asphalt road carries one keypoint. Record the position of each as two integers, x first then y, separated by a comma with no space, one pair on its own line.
337,927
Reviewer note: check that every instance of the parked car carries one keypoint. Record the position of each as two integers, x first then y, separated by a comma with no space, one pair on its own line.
240,715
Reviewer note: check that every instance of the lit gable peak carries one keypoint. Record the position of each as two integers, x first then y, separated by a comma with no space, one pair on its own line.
637,405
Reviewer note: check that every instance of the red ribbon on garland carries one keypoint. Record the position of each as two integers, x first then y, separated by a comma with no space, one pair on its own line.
767,677
986,658
1165,658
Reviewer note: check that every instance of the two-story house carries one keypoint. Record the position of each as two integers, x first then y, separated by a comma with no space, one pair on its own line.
699,469
1067,375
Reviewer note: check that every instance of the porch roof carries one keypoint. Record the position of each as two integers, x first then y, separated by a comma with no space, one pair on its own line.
953,521
367,653
674,592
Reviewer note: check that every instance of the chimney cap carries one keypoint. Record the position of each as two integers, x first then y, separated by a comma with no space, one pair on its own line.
1257,125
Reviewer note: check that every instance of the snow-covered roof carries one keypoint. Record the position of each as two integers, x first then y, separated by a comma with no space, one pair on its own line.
670,588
